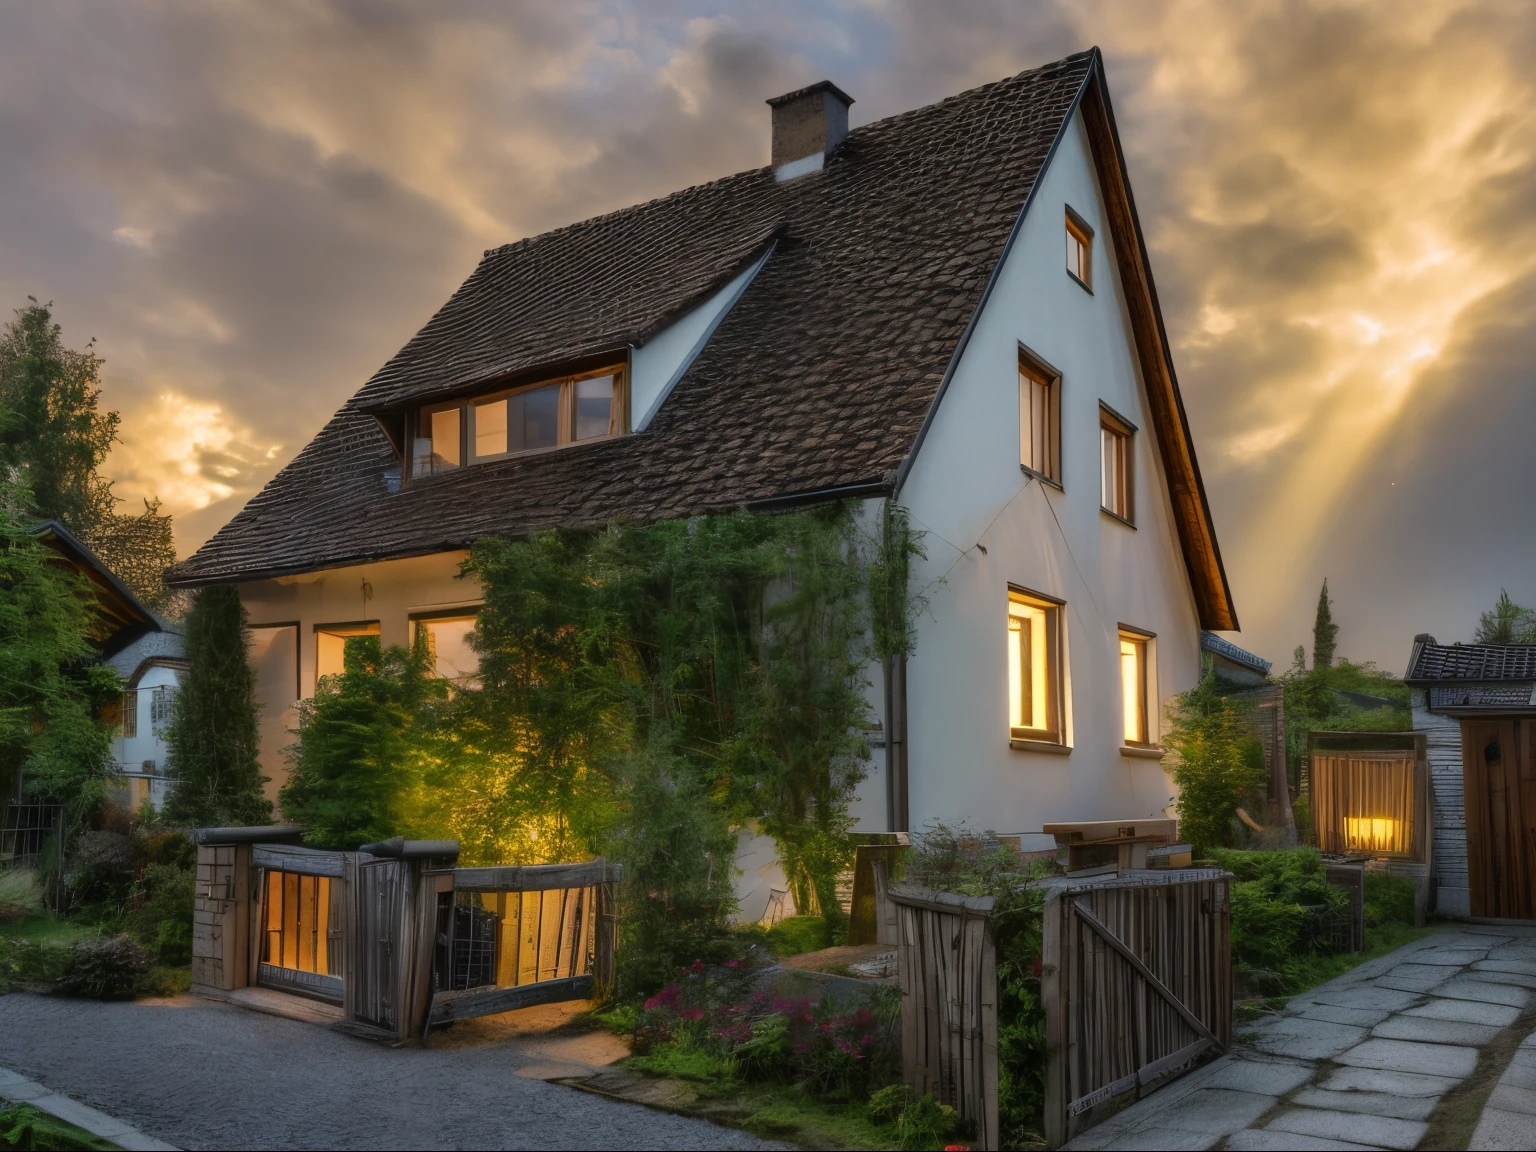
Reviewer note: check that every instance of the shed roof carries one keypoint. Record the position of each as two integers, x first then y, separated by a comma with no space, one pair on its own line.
1433,662
820,378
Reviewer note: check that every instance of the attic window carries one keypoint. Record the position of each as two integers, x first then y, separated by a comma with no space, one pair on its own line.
548,414
1079,249
1117,493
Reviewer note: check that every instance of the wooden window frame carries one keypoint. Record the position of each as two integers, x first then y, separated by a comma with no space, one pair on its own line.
1041,374
130,714
565,432
1081,231
1053,735
441,615
1124,433
1146,689
345,629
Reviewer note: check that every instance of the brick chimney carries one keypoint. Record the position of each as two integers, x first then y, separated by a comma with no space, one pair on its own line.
807,125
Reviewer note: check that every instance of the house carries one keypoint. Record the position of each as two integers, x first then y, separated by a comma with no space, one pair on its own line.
151,667
128,636
951,310
1476,706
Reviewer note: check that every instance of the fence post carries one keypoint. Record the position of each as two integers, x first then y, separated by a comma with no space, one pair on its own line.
1052,983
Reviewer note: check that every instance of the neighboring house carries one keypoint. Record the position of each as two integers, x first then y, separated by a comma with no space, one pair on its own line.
122,624
1245,677
151,667
1476,704
951,309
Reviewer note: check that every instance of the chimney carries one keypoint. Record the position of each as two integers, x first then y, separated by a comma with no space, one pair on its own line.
807,125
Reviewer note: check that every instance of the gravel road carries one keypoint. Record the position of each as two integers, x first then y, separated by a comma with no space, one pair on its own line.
200,1074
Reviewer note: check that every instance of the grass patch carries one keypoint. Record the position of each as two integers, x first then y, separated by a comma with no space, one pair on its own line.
681,1061
46,928
23,1127
799,934
1304,972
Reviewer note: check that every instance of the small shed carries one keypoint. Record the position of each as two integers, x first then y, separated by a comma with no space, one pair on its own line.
394,938
1475,706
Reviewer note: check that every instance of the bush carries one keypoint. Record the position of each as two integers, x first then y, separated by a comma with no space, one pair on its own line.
795,935
103,967
886,1105
103,867
1388,900
163,920
924,1123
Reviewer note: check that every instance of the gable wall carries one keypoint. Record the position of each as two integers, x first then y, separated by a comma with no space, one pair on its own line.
966,487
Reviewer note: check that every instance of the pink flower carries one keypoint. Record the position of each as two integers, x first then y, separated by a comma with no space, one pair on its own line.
698,968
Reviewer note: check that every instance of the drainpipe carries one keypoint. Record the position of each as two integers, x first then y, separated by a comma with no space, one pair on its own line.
896,742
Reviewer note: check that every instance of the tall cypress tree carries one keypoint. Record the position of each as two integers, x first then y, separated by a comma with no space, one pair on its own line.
213,739
1324,631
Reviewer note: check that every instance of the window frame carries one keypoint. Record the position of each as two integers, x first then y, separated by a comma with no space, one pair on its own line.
565,433
1041,374
345,629
1080,230
130,714
1124,433
1146,689
417,621
1053,736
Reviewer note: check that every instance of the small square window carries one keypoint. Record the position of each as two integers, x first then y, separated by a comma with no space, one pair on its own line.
1034,668
1136,687
1079,249
1117,488
1039,419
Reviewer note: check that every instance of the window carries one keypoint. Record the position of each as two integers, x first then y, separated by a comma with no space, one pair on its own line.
331,645
438,446
1034,668
1039,418
448,642
160,707
297,922
504,423
1079,249
1117,493
130,714
1136,686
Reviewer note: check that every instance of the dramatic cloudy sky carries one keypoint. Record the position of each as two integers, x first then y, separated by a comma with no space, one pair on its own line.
250,204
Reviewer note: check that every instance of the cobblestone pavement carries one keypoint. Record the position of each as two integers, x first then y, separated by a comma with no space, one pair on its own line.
199,1074
1362,1061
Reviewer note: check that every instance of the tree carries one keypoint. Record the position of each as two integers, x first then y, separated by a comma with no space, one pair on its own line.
1506,623
1324,631
356,762
54,438
50,685
1219,763
213,738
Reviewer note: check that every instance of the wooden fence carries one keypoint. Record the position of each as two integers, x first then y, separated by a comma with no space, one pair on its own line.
1136,983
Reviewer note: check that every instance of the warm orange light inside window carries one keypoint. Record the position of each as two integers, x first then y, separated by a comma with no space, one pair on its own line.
1374,834
1133,689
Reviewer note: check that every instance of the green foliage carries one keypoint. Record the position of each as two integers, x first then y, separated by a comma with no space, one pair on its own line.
163,921
21,893
924,1123
1506,623
794,935
892,606
1325,632
49,687
102,967
53,438
1388,899
1217,766
213,739
25,1129
681,1059
357,756
889,1103
648,689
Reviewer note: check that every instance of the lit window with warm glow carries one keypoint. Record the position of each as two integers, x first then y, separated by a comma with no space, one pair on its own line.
1117,488
1079,249
1039,419
1034,668
510,421
1136,688
1374,834
331,645
447,638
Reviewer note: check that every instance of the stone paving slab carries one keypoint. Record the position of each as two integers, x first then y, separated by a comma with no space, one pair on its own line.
1468,1011
1374,1103
1262,1140
1468,988
1404,1056
1216,1111
1431,1031
1334,1014
1306,1039
1354,1127
1450,957
1389,1080
1420,979
1266,1077
1499,1131
1524,967
1509,1120
1497,976
1512,1099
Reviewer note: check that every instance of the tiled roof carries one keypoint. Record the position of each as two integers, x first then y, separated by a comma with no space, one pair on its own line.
1483,662
1219,644
819,378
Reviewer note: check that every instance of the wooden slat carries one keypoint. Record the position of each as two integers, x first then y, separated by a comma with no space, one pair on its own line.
1146,974
474,1002
536,877
304,862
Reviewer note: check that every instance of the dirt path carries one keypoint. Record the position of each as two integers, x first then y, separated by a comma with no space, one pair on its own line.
199,1074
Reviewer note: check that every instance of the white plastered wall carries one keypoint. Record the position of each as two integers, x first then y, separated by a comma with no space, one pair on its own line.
389,591
967,493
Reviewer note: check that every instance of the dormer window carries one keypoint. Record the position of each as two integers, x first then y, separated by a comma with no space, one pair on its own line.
510,421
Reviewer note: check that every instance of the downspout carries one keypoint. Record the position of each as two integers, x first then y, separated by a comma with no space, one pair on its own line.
894,675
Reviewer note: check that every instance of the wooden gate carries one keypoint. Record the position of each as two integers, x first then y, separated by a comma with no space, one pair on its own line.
1137,983
947,968
372,993
1499,778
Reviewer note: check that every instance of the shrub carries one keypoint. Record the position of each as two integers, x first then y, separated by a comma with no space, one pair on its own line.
163,920
102,967
795,935
923,1123
886,1105
1217,763
103,868
1388,899
24,1127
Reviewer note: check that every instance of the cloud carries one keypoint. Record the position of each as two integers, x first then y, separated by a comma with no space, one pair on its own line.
252,205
